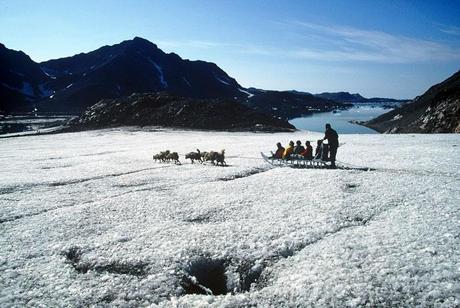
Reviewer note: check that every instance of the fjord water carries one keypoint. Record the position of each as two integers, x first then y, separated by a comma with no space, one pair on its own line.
340,120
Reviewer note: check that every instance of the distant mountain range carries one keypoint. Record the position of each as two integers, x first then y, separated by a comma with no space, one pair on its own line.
74,83
436,111
346,97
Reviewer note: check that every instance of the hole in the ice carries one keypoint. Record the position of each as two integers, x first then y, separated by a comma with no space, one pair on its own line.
205,276
249,275
73,256
208,276
358,220
107,298
351,186
198,219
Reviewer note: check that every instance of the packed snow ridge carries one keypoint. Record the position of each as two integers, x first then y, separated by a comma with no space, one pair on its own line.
89,219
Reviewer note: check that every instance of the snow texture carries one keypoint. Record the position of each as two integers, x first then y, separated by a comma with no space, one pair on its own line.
88,219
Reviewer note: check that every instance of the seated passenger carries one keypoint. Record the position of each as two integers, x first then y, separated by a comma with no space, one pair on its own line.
288,151
308,152
298,148
325,154
319,149
279,151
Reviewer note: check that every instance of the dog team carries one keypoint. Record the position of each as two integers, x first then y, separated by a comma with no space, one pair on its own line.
214,157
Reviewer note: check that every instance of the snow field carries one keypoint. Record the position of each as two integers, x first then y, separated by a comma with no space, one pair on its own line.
89,219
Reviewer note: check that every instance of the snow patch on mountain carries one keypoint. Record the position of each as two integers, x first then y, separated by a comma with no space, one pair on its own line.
45,91
187,82
159,69
222,81
48,72
246,92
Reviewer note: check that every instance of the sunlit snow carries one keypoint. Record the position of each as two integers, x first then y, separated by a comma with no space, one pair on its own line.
222,81
89,219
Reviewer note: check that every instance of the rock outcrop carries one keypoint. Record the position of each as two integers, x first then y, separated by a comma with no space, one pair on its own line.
162,109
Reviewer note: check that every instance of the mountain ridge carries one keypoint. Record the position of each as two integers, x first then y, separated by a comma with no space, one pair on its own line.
347,97
72,84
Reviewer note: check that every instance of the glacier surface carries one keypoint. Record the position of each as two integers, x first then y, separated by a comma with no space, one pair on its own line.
89,219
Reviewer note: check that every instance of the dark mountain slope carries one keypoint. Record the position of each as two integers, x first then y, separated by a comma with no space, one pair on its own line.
133,66
74,83
436,111
21,80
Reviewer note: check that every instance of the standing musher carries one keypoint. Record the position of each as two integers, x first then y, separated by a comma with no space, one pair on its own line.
333,141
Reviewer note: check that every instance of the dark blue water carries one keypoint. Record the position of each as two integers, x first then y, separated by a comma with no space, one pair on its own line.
340,119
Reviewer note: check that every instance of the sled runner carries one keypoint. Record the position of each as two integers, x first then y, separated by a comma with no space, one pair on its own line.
296,162
311,164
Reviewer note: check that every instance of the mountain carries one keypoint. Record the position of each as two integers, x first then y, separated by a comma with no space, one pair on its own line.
133,66
74,83
436,111
163,109
346,97
288,104
21,81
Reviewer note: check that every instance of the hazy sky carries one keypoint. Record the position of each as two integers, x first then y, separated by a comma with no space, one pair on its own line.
377,48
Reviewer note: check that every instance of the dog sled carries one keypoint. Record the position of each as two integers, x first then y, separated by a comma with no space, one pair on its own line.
294,162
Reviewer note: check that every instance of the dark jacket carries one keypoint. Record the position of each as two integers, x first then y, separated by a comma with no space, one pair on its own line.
308,152
322,151
332,137
279,153
318,151
298,149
